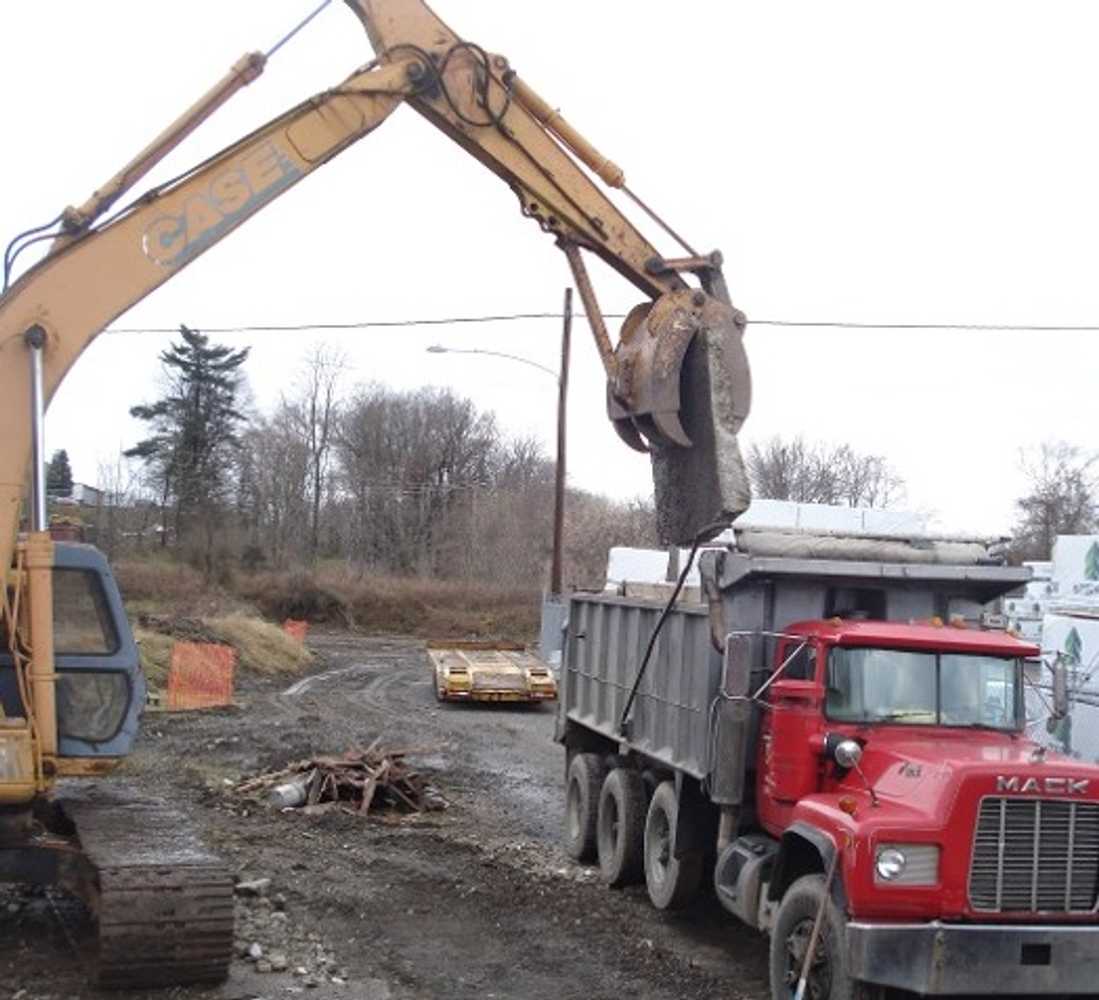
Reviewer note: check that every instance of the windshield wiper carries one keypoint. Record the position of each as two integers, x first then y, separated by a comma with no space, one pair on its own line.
909,714
980,725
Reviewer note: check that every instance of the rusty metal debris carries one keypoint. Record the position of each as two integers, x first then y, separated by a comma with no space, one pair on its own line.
354,782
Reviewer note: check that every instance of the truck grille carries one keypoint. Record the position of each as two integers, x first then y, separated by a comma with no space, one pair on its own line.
1035,855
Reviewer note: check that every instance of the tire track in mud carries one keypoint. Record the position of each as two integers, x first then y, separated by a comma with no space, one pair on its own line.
489,755
504,775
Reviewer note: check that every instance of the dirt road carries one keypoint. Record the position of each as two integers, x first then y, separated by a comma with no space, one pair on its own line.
477,901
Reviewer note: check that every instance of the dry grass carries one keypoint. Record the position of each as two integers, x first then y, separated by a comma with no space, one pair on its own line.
156,655
428,607
159,587
405,605
261,647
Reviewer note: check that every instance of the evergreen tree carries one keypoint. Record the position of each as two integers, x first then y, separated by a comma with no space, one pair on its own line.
1091,563
1073,647
189,454
59,475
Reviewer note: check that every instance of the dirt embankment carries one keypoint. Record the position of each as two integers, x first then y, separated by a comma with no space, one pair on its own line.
333,596
477,901
262,648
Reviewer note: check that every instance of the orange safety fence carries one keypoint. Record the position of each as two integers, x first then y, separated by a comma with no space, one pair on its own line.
295,629
201,675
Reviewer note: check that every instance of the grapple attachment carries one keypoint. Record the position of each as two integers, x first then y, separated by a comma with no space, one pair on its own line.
681,391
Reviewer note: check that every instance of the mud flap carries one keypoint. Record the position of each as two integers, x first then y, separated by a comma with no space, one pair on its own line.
706,482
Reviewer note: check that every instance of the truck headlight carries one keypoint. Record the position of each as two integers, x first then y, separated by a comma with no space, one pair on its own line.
907,864
890,864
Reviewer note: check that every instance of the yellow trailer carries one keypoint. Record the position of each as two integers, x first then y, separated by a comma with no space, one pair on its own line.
489,671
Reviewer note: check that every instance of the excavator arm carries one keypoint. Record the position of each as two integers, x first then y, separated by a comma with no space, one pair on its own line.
677,379
93,276
678,382
677,386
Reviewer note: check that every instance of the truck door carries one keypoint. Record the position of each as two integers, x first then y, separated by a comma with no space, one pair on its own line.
789,769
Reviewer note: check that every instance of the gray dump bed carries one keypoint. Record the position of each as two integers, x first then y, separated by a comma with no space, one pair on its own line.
674,718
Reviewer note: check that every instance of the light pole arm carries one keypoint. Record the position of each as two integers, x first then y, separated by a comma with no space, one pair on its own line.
439,349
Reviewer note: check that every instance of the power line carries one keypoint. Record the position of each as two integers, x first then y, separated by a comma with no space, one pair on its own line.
517,317
356,325
990,327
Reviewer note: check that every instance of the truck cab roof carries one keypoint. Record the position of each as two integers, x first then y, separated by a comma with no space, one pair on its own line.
916,635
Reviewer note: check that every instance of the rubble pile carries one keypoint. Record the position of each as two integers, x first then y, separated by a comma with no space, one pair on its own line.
355,782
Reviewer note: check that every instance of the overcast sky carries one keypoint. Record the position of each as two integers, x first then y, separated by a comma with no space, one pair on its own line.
864,161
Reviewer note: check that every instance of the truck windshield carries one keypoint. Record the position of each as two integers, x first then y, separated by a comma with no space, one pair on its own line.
923,688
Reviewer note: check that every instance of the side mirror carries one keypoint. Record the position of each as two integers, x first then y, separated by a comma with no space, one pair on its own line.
737,666
1060,689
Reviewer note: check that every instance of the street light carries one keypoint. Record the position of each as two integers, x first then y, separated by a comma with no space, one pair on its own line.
562,380
439,349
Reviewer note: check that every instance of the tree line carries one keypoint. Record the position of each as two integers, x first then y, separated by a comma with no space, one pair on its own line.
418,482
423,482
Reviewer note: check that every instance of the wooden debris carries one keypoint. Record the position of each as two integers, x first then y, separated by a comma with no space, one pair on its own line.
355,782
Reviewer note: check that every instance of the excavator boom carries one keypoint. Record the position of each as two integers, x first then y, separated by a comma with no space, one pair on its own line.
678,383
677,386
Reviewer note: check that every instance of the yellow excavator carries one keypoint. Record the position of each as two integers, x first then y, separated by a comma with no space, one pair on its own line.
71,690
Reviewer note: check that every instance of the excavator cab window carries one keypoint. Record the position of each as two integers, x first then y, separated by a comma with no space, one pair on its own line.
92,706
82,623
100,688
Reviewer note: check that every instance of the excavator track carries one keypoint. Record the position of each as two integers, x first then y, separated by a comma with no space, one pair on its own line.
163,902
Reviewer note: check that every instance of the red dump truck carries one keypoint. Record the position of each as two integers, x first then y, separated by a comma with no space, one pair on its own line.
834,740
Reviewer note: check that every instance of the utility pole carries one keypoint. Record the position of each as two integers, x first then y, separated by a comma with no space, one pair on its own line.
559,479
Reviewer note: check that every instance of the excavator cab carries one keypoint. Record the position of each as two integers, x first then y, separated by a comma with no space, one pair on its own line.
100,686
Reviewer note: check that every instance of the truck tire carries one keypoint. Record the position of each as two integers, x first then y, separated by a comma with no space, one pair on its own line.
672,882
582,787
620,827
828,976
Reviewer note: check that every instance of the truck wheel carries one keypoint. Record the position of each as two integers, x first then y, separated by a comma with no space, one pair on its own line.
582,788
828,978
672,881
620,827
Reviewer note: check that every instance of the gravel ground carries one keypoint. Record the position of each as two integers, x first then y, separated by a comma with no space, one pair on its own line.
477,901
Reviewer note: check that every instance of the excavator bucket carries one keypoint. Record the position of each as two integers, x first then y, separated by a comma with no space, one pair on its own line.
683,389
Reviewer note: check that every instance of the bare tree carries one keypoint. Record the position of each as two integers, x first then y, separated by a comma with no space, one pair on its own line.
273,490
866,480
809,472
314,414
1061,497
405,460
124,513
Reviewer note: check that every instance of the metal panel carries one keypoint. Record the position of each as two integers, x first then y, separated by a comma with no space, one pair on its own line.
607,637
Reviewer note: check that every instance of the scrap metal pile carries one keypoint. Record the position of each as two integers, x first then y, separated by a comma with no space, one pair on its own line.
354,782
